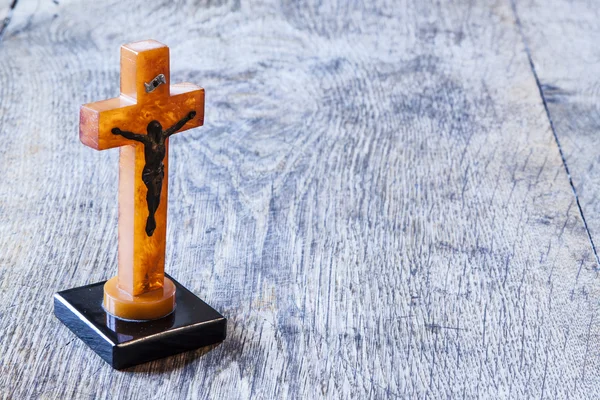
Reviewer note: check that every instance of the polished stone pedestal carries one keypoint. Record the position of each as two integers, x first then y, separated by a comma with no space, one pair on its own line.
121,343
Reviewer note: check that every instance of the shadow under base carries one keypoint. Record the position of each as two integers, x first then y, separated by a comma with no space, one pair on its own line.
122,343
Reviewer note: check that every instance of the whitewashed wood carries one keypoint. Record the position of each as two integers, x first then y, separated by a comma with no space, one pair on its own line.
562,37
376,202
6,10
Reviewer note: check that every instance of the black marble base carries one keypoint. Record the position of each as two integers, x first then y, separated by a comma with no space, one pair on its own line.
122,343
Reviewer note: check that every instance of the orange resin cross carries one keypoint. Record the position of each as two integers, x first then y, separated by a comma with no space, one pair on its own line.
139,122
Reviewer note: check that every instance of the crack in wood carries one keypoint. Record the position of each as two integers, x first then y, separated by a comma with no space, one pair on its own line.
7,19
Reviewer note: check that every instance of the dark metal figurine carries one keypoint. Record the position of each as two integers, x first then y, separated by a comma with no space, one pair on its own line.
154,169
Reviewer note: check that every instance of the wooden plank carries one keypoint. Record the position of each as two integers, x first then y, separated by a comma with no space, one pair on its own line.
563,38
376,202
6,12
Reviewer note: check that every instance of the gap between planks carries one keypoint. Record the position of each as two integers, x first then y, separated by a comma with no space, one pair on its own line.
560,150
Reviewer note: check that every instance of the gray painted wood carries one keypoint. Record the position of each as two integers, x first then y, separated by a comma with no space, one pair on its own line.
562,39
376,202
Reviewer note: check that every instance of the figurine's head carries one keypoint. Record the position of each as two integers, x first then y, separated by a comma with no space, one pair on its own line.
154,130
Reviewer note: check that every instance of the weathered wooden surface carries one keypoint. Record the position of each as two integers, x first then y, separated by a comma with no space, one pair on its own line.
562,38
376,201
6,10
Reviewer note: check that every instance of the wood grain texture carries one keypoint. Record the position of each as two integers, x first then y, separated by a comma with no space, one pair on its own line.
562,38
376,202
6,10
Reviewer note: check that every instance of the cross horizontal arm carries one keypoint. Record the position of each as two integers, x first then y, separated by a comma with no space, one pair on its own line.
180,124
98,119
192,97
130,135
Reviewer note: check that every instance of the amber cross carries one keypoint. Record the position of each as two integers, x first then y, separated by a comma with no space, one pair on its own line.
155,148
148,102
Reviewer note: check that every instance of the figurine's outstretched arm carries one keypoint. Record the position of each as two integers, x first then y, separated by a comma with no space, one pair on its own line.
130,135
180,124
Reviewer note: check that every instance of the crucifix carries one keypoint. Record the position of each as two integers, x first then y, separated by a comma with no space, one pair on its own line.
138,320
139,122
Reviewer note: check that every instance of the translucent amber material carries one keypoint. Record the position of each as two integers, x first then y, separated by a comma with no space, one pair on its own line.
144,98
151,305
